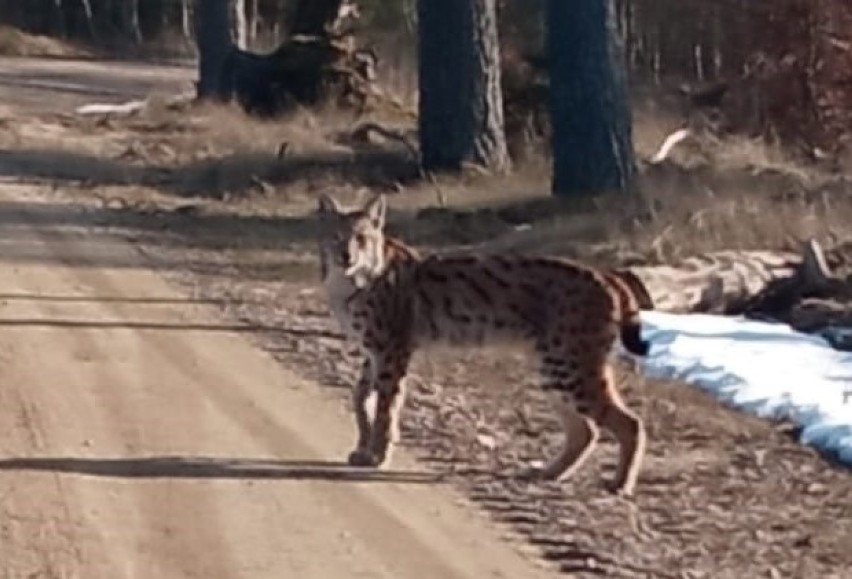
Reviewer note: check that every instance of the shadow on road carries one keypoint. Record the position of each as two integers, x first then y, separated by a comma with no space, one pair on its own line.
92,237
161,326
100,299
179,467
211,178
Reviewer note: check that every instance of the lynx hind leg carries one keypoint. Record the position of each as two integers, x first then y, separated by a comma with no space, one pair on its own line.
561,378
361,455
581,436
628,429
588,400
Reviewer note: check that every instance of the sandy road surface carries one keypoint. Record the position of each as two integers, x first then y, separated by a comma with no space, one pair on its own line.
143,437
49,85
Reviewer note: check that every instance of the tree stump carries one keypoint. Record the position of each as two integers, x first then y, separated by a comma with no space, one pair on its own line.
305,70
319,62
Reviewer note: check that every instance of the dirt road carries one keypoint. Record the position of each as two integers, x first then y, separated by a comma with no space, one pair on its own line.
47,85
144,437
141,436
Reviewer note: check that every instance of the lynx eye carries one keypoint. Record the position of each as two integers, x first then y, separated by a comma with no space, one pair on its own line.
360,239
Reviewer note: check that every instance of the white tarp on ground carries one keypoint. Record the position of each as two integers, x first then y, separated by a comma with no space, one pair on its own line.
762,368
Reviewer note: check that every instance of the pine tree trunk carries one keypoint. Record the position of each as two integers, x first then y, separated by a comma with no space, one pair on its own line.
461,105
590,109
213,31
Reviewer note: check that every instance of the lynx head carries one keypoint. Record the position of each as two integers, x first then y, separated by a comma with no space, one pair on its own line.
352,241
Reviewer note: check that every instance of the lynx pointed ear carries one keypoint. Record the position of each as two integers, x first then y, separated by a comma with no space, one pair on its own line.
376,209
328,204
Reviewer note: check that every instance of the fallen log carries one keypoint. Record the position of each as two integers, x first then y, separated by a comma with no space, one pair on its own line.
721,282
796,289
738,282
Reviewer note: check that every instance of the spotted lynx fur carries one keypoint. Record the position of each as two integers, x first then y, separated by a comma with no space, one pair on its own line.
393,301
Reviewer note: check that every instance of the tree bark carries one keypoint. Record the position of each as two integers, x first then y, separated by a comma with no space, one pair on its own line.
461,105
591,120
213,31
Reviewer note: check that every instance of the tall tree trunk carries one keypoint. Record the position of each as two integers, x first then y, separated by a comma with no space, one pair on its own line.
130,20
186,19
590,108
213,31
90,18
239,24
461,105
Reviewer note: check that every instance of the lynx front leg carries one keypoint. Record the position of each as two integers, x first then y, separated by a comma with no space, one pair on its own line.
361,456
390,373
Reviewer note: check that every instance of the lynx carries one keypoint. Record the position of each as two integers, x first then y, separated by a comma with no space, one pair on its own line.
393,301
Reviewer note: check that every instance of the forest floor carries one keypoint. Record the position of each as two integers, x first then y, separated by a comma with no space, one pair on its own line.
156,265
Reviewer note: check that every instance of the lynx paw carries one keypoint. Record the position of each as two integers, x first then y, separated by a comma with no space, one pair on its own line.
362,457
619,490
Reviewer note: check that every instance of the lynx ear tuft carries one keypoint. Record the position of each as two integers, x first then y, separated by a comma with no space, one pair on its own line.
328,204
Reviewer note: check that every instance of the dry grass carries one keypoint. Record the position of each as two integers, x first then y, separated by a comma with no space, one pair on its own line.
14,42
736,193
209,152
